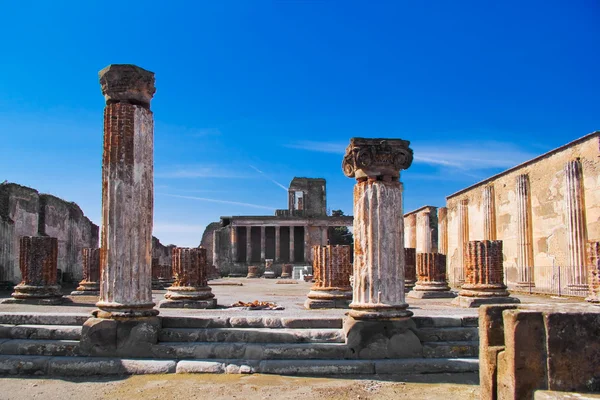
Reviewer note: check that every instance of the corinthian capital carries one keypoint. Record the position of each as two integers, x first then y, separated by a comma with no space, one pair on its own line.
127,83
372,158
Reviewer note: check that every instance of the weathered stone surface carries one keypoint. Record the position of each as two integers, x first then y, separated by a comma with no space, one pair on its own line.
286,271
593,264
127,193
332,269
425,366
431,271
90,285
382,339
23,365
410,268
554,395
316,367
200,367
252,272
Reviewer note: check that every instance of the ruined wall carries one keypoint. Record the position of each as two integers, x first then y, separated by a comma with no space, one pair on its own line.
25,212
207,241
162,252
546,208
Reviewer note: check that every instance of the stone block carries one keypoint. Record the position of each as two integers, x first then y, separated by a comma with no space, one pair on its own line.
488,368
491,325
23,365
132,337
426,366
474,302
316,367
200,367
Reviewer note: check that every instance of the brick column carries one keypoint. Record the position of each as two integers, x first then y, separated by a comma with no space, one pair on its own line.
410,268
484,279
277,244
524,234
331,270
263,245
38,260
593,253
292,257
432,282
90,284
127,193
286,271
378,291
248,244
234,244
443,230
190,289
576,225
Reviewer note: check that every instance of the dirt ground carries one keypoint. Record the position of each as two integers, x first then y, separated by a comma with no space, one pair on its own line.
246,387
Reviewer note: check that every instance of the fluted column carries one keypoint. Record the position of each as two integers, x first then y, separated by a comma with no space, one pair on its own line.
331,270
234,244
277,244
463,239
156,284
248,244
38,261
410,268
292,256
576,224
216,247
489,213
432,282
410,231
263,245
484,280
524,233
127,193
190,288
307,245
443,230
378,291
424,242
90,284
593,253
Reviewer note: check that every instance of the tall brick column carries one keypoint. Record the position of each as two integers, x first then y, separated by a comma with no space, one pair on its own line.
331,269
38,260
378,291
127,193
484,276
432,282
442,230
90,285
410,268
190,289
593,254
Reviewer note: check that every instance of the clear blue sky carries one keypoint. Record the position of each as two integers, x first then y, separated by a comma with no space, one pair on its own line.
281,86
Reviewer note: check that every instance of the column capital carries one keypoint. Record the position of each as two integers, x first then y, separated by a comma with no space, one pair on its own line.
373,158
127,83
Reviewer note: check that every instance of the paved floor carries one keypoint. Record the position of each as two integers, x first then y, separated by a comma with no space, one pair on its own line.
290,296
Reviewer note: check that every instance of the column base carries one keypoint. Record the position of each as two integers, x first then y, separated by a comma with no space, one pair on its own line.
29,294
38,302
409,285
484,290
195,304
189,293
108,310
328,299
285,275
474,302
379,311
431,294
524,285
579,287
269,274
156,285
87,289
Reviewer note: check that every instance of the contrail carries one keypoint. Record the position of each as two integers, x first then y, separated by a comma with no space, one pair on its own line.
266,176
237,203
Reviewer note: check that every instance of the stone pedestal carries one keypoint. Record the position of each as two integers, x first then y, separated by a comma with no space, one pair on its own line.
252,272
190,289
378,273
269,273
127,193
286,271
432,283
593,253
331,269
90,285
38,263
484,282
410,268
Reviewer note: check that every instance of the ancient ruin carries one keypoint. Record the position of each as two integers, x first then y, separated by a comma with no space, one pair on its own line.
593,264
190,289
269,273
432,282
90,284
252,272
484,283
332,269
286,271
410,268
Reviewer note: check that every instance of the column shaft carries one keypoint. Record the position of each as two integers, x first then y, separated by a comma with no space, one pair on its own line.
292,256
463,239
216,249
248,244
263,243
576,224
431,272
443,230
593,253
234,244
90,284
524,233
424,242
277,244
331,269
410,230
307,245
489,213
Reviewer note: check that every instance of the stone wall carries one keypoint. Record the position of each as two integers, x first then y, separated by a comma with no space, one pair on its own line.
207,241
26,212
162,252
528,208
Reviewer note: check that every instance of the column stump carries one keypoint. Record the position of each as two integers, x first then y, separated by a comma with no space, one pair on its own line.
432,284
286,271
332,270
90,284
252,272
269,273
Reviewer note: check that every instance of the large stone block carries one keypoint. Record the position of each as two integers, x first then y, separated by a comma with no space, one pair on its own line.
128,337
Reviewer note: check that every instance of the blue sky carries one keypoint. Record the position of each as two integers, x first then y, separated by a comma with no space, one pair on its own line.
253,93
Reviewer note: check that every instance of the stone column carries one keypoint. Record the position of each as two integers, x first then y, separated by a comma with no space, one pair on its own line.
269,273
286,271
432,282
234,244
489,213
463,239
263,243
593,253
378,290
331,270
424,242
410,229
190,289
156,284
292,257
216,258
443,230
524,234
484,283
248,244
410,268
127,193
307,245
277,244
252,272
38,261
324,236
576,224
90,284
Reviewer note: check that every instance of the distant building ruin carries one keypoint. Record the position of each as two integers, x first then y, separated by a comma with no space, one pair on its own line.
287,237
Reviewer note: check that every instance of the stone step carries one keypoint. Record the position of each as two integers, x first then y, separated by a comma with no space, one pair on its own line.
451,349
251,322
19,318
43,332
447,321
86,366
249,351
448,334
39,347
252,335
